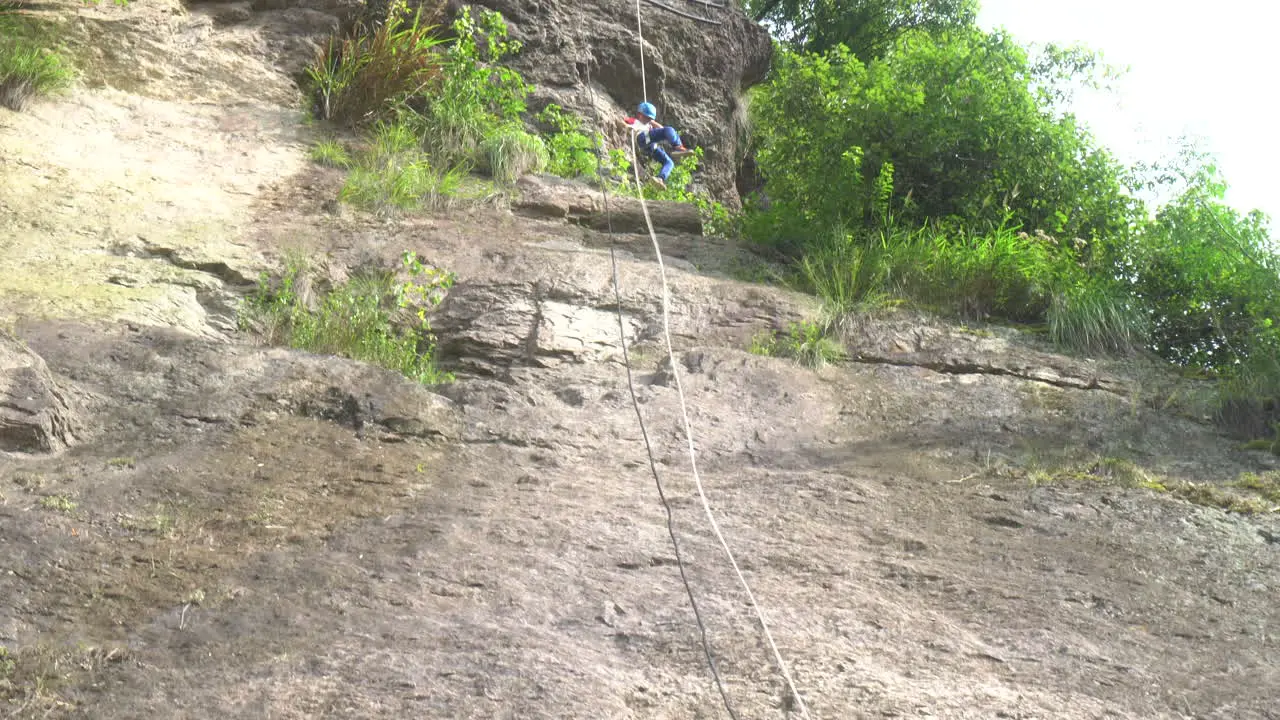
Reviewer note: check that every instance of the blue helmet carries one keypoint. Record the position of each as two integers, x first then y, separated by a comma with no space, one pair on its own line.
648,110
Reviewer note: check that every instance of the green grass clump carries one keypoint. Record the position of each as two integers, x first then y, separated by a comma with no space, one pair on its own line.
999,273
372,317
330,154
29,64
33,676
365,76
808,343
1095,317
847,272
510,152
1209,495
394,172
1265,486
58,503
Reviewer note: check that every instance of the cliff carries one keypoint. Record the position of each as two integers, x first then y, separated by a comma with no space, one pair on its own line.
947,522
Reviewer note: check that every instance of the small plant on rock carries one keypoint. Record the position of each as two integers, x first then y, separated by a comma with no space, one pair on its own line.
58,503
367,76
29,66
572,153
511,151
372,317
330,154
7,664
805,342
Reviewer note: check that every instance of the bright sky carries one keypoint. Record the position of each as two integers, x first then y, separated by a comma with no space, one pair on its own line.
1207,69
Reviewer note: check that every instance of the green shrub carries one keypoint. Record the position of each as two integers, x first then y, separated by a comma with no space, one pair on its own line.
617,168
29,66
576,152
475,95
572,153
958,125
510,152
373,317
1209,275
365,77
717,220
680,182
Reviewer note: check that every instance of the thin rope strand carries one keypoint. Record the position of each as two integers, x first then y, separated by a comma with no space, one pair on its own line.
644,85
644,433
684,412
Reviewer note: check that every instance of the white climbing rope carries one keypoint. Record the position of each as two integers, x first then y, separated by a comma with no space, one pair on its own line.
644,84
644,433
688,432
684,411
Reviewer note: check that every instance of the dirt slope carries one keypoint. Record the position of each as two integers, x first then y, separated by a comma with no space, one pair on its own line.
237,531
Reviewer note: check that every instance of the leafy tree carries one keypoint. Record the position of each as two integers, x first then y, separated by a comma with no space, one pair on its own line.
1209,275
945,127
867,27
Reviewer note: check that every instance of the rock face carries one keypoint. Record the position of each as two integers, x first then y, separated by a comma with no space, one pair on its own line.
695,71
34,414
949,523
555,198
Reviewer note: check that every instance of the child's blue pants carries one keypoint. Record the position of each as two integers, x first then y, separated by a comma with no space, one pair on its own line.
650,143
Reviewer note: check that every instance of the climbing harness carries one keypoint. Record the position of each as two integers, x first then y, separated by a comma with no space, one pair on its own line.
684,412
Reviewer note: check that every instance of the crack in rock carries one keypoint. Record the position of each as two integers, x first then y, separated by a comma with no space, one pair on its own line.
972,367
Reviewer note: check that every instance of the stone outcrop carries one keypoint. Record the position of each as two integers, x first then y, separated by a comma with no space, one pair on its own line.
695,71
557,199
34,413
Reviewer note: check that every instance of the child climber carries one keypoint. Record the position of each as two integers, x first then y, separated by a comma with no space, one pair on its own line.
650,135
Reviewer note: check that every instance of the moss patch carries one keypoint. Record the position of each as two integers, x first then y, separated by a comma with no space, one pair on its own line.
31,677
1250,494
